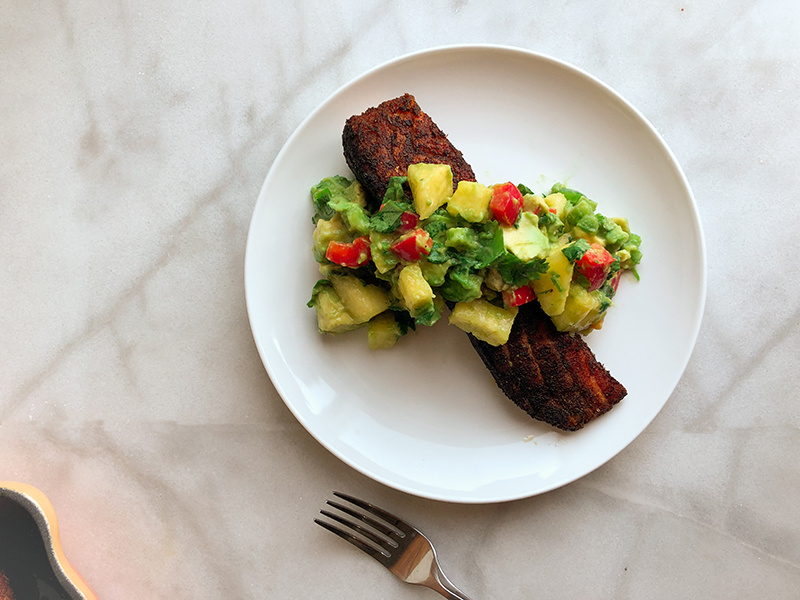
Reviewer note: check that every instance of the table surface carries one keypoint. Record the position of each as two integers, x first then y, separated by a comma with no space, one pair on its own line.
135,139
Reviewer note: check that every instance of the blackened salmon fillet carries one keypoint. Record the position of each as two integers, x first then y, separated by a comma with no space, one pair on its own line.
381,142
552,376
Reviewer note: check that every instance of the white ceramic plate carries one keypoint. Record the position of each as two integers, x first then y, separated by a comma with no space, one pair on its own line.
426,416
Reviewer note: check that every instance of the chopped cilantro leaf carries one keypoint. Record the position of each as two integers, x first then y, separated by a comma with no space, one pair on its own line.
438,253
605,302
556,279
582,280
439,222
404,320
575,251
395,191
524,189
516,272
388,218
490,239
546,218
462,285
429,316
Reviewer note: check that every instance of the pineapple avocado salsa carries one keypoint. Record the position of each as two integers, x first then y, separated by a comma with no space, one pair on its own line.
481,252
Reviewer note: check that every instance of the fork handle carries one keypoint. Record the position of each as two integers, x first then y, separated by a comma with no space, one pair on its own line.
441,584
457,595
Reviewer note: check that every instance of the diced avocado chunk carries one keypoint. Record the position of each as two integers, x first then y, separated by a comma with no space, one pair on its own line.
487,322
634,255
379,244
526,241
470,201
462,239
582,212
462,285
592,238
622,222
552,288
434,273
612,233
383,331
494,280
332,316
431,186
363,301
335,190
325,232
353,216
325,191
572,196
416,291
581,309
355,193
589,224
534,203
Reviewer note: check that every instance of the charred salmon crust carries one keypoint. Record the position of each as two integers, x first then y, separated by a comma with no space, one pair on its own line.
381,142
552,376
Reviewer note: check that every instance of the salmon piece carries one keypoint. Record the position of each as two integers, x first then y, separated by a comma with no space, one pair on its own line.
552,376
381,142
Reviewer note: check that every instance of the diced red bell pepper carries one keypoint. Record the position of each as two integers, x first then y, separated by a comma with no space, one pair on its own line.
594,265
349,254
408,221
413,245
614,281
519,296
506,203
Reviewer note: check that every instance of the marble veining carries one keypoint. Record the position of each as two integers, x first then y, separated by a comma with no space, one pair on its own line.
135,139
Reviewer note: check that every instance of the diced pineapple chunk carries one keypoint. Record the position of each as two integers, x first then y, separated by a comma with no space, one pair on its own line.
362,301
470,201
332,316
383,331
552,288
487,322
431,186
557,201
325,232
416,291
592,238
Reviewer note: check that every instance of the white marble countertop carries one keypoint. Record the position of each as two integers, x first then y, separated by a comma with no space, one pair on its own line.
134,140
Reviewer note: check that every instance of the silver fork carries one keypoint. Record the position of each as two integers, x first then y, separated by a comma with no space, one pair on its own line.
397,545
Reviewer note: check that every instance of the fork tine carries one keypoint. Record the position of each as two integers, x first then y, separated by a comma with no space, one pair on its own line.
386,516
366,519
352,539
362,530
